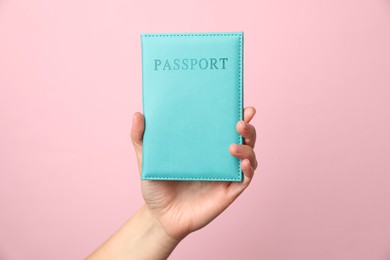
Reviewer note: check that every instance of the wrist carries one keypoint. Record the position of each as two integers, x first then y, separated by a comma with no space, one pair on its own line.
141,237
155,230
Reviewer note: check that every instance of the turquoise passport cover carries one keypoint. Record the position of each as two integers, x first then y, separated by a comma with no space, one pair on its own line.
192,95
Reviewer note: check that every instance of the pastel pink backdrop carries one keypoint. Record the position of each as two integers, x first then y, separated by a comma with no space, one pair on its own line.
318,73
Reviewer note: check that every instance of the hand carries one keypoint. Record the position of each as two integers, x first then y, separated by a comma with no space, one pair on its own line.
174,209
181,207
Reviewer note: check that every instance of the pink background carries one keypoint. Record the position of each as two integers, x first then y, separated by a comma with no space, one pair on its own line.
318,73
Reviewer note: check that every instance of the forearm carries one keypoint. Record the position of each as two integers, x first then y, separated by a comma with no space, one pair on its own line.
141,237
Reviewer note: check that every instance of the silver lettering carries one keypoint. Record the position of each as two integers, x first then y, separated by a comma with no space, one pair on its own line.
191,64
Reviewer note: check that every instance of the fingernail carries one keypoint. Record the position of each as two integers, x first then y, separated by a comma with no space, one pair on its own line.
236,148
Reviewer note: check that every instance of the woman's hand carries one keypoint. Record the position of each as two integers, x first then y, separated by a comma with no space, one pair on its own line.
182,207
173,209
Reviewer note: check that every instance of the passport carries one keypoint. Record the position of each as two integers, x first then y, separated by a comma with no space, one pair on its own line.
192,99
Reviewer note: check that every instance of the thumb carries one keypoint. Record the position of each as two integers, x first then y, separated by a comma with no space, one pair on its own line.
137,133
137,129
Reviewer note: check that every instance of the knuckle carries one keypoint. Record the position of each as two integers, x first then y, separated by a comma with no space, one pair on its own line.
253,159
251,152
252,131
255,163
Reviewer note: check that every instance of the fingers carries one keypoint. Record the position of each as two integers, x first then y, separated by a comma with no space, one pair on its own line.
137,129
247,131
243,151
248,171
249,113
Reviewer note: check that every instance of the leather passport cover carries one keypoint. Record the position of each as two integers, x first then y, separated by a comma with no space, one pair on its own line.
192,97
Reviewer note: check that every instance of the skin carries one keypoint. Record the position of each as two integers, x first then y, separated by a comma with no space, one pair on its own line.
174,209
